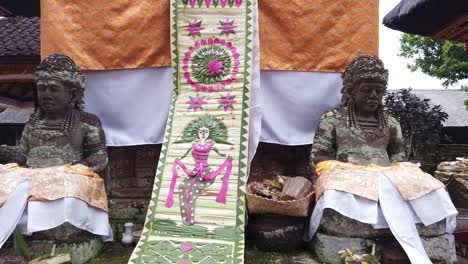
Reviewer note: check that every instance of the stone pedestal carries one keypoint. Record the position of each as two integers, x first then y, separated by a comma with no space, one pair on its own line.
337,232
326,247
81,244
276,233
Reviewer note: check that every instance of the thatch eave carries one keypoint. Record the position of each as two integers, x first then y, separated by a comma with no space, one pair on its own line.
426,17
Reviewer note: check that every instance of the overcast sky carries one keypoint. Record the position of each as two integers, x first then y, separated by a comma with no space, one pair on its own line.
399,75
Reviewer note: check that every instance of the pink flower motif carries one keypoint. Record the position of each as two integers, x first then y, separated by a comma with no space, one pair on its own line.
238,3
207,3
195,27
215,66
196,102
184,262
187,247
192,3
223,3
227,101
227,27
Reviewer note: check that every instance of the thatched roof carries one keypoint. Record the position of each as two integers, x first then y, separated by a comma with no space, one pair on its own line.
20,36
426,17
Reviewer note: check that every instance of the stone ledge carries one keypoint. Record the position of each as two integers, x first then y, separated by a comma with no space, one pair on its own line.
441,249
335,224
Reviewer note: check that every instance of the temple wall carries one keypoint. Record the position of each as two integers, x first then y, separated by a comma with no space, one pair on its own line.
130,175
436,153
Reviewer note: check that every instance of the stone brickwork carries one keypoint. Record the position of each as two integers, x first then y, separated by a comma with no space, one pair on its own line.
130,175
443,152
129,181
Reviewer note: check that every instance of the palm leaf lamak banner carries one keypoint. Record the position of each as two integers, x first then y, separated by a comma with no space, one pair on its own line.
196,213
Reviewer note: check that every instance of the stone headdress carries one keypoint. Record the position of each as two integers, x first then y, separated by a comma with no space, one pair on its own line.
363,67
62,68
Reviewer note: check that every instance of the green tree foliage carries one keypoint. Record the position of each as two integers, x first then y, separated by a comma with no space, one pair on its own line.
421,123
445,60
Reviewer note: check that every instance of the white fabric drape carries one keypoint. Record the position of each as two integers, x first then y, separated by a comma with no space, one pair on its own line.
37,216
12,210
392,212
293,102
255,124
133,105
45,215
285,109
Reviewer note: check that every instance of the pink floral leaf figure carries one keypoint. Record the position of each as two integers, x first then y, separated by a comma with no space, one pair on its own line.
169,203
227,102
207,3
238,3
187,246
196,102
227,27
223,3
192,3
195,28
215,66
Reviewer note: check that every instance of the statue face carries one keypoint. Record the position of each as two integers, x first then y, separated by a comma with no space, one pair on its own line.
369,95
53,96
203,133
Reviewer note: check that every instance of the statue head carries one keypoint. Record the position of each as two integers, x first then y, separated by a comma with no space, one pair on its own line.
364,83
60,84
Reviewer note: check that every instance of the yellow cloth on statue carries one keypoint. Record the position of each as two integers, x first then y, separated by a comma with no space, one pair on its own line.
54,183
363,181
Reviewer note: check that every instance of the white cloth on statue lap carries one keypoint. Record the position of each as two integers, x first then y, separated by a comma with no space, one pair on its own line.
391,212
35,216
12,210
44,215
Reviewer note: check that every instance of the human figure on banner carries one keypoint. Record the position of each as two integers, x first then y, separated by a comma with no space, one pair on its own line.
204,133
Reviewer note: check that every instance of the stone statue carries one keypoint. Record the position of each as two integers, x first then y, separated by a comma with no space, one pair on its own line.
59,131
60,150
365,191
360,131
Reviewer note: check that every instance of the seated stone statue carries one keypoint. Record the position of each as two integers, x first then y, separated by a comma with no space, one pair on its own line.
364,183
59,131
60,149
